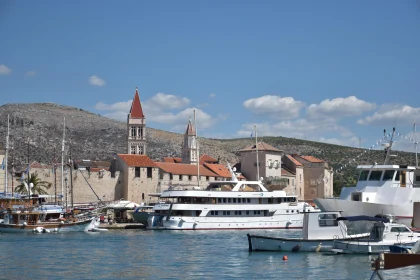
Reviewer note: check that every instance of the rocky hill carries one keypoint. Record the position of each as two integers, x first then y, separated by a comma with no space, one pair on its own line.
36,131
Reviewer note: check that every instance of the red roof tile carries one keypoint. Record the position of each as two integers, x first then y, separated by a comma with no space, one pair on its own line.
190,129
172,159
184,169
312,159
219,169
285,172
137,160
206,158
136,111
296,162
261,147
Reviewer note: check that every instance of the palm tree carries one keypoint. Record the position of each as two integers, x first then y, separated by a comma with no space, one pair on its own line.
38,185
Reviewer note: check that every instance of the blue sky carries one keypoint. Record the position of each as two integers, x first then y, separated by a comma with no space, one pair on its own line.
329,71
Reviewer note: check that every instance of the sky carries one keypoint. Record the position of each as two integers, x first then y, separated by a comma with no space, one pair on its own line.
338,72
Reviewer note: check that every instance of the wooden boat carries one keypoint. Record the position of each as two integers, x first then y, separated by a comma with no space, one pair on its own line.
34,222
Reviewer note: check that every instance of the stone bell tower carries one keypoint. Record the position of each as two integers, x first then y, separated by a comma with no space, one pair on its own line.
136,128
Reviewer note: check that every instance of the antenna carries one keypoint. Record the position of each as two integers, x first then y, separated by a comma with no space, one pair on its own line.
388,147
415,145
256,147
197,155
7,158
62,161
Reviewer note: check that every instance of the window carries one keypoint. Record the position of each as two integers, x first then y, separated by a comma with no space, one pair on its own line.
228,212
189,177
133,149
399,229
363,175
388,174
149,172
161,175
171,176
224,213
224,200
239,213
375,175
219,200
229,200
133,131
212,213
327,220
140,134
207,178
141,150
248,200
247,212
137,172
216,213
234,200
142,196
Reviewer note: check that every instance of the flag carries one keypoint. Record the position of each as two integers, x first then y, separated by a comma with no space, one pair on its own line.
251,136
2,164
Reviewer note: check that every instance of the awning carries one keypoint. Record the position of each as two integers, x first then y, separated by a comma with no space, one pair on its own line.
124,204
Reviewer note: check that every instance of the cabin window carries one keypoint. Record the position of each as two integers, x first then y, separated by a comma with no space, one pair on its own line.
247,213
149,172
224,200
388,174
399,229
137,172
224,213
363,175
248,200
327,220
397,176
375,175
228,212
219,200
229,200
234,200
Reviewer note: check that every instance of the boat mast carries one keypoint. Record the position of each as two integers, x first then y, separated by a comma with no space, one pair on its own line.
62,162
388,148
197,152
6,159
256,147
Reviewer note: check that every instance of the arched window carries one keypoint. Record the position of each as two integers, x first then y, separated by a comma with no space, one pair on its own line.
133,149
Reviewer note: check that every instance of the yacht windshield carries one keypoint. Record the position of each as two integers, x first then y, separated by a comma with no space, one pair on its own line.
364,175
388,175
375,175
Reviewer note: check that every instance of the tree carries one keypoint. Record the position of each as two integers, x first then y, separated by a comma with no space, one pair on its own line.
38,185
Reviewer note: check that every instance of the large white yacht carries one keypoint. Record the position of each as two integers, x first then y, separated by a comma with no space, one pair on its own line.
228,205
384,189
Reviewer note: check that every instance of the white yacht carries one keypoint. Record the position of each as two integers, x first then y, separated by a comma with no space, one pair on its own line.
384,189
228,205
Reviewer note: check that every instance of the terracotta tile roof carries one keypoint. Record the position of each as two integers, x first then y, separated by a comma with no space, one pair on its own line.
184,169
219,169
261,147
190,129
136,111
312,159
172,159
207,159
297,163
38,165
137,160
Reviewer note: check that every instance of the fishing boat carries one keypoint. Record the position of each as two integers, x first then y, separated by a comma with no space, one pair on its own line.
384,234
29,221
381,189
320,230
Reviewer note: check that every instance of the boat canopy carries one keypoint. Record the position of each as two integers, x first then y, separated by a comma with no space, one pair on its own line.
363,218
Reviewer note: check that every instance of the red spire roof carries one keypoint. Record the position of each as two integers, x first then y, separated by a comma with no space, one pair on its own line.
190,129
136,111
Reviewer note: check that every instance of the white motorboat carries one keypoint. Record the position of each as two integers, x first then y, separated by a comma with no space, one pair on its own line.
384,234
381,189
228,205
320,230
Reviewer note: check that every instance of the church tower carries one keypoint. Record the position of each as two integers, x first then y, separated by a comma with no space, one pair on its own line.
190,145
136,128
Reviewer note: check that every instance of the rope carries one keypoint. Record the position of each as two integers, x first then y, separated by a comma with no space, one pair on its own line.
90,186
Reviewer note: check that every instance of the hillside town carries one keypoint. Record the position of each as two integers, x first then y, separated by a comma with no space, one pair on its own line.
133,176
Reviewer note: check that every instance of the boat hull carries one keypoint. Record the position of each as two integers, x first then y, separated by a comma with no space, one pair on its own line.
84,225
266,243
141,217
345,247
212,223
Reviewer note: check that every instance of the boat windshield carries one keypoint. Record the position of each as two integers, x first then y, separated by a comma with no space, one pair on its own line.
363,175
388,175
375,175
400,229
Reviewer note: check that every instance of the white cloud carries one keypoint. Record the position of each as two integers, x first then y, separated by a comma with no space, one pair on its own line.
274,106
96,81
163,109
4,70
339,107
30,73
212,95
299,128
392,115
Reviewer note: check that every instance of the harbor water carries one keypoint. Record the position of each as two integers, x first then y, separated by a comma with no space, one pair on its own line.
145,254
